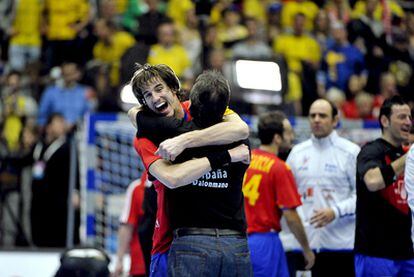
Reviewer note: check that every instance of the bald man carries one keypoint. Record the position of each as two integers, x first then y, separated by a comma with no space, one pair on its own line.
324,168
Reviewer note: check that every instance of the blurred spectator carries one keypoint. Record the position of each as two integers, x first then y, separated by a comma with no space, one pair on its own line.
29,138
216,14
111,45
177,10
401,63
299,50
108,11
51,160
217,60
337,97
322,31
256,9
410,31
340,61
367,33
149,21
338,10
25,33
133,10
384,10
169,51
210,43
290,9
274,21
191,40
18,107
106,95
6,9
63,22
365,104
252,47
70,99
230,30
388,88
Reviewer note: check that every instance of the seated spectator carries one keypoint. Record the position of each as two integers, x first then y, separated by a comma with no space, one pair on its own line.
210,43
381,8
177,9
169,51
340,61
18,107
388,88
299,50
367,34
255,9
111,45
64,21
338,10
274,21
322,31
337,97
191,39
70,98
401,63
25,34
365,104
230,30
149,21
308,8
252,47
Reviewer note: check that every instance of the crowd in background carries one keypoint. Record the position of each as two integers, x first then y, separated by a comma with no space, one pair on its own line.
71,57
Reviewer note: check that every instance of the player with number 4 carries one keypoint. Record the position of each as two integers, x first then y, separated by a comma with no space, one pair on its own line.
270,191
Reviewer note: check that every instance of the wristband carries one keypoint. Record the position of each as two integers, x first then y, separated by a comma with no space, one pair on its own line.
388,174
219,159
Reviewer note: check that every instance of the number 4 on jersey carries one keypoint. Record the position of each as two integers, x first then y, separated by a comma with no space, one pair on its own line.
251,188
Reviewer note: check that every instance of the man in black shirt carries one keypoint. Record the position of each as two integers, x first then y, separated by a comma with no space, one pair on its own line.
207,215
383,244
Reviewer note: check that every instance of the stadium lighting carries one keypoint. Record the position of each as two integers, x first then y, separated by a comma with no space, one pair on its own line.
258,75
127,96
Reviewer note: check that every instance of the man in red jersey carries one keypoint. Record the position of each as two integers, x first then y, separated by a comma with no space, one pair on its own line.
157,89
128,229
270,191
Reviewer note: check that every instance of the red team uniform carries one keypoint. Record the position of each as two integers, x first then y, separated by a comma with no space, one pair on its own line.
163,236
268,187
131,215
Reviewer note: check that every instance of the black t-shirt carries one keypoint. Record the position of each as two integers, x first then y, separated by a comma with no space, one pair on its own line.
213,201
383,219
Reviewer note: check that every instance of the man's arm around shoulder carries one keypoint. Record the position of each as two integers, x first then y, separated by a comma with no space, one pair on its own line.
177,175
232,129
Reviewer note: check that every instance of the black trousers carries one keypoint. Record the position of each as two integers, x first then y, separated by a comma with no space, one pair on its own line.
327,264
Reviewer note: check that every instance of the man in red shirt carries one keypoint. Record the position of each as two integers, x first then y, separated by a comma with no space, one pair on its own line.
270,191
128,229
157,89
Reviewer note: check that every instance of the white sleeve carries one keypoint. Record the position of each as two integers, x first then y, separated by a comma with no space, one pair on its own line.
347,206
409,177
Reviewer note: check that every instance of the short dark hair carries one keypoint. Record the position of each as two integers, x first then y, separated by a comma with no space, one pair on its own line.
52,117
146,73
270,124
209,97
386,108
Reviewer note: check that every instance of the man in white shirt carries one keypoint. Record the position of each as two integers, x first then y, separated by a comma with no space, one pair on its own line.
324,167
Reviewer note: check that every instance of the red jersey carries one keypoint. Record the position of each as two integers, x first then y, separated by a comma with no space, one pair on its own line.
268,188
146,149
131,214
